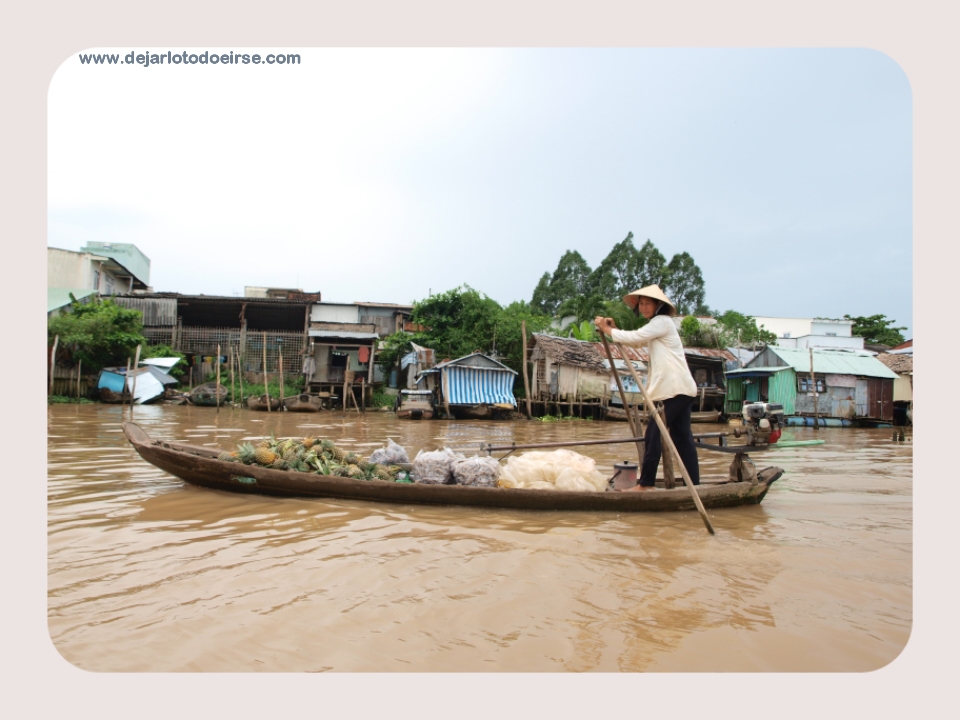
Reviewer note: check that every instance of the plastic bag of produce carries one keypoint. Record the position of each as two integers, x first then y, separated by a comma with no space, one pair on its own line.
435,467
392,454
557,470
477,471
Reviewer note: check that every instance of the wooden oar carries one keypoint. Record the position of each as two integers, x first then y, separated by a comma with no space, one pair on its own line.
631,419
665,438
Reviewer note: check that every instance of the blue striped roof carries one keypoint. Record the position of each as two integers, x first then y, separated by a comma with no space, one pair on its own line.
472,385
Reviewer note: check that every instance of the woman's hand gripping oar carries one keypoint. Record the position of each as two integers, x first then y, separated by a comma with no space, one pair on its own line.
623,396
665,436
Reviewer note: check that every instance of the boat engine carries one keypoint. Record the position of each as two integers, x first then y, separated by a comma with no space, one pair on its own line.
762,423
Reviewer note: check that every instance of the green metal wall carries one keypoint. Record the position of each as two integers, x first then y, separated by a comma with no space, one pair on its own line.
782,388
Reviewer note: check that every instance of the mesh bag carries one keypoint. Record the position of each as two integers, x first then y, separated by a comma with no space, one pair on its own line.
392,454
477,471
434,468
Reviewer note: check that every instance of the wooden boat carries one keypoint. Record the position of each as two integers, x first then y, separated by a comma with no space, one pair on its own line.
200,466
414,405
206,394
260,403
705,416
303,402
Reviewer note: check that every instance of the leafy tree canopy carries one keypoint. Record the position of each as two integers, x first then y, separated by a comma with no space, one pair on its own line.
461,321
877,330
98,333
684,283
740,329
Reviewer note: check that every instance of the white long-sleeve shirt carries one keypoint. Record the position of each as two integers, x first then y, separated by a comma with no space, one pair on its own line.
668,374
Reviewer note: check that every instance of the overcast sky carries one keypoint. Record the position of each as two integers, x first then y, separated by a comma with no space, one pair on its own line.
383,175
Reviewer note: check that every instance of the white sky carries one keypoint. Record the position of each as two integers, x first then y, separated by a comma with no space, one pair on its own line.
383,174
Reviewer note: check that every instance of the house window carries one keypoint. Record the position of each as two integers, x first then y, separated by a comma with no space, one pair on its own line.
805,385
831,334
786,335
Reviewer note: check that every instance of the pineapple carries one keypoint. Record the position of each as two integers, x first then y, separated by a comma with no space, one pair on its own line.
246,453
279,464
228,457
383,473
354,472
337,454
351,458
340,471
309,442
264,456
327,444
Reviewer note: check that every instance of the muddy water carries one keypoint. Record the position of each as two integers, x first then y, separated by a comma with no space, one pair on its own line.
148,574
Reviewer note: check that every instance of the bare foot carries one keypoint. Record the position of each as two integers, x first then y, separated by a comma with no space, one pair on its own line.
638,488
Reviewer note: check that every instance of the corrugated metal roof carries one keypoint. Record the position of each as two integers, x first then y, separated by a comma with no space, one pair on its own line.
710,352
755,372
343,334
839,363
501,367
60,297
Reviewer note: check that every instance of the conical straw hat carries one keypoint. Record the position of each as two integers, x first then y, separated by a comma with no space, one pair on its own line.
650,291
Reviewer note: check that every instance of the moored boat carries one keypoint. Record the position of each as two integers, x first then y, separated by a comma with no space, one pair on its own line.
303,402
263,402
201,466
414,405
207,393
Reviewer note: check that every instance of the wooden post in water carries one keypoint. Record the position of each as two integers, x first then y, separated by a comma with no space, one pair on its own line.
240,373
233,392
125,378
218,378
446,392
266,387
363,394
280,371
526,382
79,364
816,395
53,361
133,390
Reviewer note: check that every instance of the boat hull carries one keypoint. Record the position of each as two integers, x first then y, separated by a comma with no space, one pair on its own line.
302,403
200,466
260,403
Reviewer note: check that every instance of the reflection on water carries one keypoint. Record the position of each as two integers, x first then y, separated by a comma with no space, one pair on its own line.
149,574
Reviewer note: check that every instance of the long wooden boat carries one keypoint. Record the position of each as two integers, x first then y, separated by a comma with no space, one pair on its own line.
303,402
206,394
697,416
200,466
260,403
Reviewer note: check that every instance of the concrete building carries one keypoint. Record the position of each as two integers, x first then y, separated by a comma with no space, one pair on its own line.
803,333
97,269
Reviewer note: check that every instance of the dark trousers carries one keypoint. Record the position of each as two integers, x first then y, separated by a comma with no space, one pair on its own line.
677,411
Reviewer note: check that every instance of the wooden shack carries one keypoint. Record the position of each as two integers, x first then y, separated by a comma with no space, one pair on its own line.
474,386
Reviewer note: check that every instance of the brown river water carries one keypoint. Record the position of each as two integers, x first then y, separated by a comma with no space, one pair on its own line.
146,573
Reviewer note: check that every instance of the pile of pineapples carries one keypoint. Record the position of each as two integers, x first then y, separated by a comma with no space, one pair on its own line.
313,455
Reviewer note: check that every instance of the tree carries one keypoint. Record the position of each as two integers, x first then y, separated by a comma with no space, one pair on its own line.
98,333
458,322
584,331
542,300
568,280
391,349
583,307
876,330
651,268
738,329
684,283
618,272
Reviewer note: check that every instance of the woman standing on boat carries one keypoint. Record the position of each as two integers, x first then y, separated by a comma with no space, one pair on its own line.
668,379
